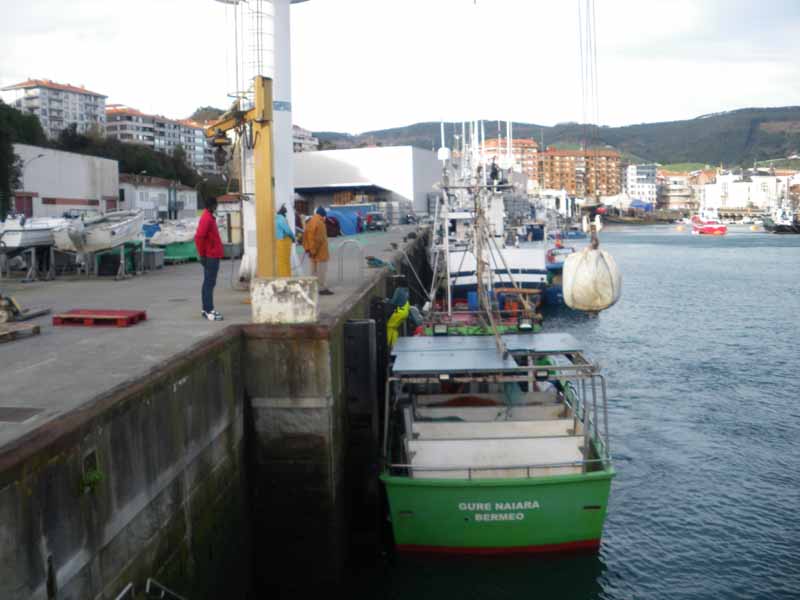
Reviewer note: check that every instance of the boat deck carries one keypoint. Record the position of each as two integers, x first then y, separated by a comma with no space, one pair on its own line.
495,458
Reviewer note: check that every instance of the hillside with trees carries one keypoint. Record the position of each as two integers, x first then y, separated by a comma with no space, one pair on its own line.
206,113
733,138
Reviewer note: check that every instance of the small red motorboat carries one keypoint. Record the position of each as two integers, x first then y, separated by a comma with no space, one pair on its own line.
707,223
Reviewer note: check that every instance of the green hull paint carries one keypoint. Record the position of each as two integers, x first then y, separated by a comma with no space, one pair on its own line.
501,514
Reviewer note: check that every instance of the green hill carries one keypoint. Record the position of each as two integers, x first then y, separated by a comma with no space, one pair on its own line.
737,137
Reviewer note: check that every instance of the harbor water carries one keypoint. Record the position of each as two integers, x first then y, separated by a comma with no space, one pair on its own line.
702,360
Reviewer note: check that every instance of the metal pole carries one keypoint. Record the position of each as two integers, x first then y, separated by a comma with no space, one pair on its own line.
594,405
264,177
605,414
530,374
446,221
386,416
586,435
510,276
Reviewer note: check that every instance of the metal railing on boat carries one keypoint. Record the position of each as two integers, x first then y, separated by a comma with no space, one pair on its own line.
605,462
575,397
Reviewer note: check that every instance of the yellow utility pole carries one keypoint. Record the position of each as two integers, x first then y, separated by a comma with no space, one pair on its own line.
260,118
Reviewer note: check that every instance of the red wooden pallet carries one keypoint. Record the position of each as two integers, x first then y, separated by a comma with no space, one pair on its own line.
90,317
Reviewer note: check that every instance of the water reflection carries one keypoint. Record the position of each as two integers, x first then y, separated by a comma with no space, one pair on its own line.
513,577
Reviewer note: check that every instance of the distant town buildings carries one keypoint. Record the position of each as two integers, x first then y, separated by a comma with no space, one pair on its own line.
132,126
751,190
583,173
525,154
578,172
303,141
59,105
639,182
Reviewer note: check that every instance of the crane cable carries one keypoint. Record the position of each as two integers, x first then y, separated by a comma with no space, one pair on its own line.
589,77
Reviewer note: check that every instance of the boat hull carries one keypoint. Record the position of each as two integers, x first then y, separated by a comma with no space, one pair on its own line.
102,233
27,238
710,229
554,295
464,285
540,514
775,228
571,234
710,226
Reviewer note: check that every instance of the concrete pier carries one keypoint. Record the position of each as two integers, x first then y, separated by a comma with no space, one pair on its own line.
165,449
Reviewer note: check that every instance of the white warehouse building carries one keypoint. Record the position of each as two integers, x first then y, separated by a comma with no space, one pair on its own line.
732,191
157,197
401,174
54,182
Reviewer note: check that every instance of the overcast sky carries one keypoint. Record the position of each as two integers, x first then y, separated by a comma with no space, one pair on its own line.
359,65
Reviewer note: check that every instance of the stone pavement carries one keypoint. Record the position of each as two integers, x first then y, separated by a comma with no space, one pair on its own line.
65,367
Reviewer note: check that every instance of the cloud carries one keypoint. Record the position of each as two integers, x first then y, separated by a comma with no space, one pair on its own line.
359,65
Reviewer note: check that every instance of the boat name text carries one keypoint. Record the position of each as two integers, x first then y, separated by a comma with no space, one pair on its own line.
500,511
499,506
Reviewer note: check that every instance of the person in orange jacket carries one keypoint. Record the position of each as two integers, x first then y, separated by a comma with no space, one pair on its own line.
315,243
210,251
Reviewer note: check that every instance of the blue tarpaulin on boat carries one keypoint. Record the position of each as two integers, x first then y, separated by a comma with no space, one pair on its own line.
641,205
150,229
348,221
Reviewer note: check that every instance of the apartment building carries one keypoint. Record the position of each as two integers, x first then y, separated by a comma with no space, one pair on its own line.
525,154
58,105
639,182
303,140
674,191
132,126
580,172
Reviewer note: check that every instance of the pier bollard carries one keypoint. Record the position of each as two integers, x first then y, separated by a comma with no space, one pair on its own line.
285,300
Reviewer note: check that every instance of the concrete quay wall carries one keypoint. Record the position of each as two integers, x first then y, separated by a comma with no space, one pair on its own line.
304,447
298,445
223,471
145,481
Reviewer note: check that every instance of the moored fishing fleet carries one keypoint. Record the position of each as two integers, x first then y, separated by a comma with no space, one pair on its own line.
495,433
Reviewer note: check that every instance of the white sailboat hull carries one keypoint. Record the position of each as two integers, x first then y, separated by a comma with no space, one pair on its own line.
16,233
109,231
26,238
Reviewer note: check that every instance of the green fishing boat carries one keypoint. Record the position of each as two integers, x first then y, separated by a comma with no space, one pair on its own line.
496,444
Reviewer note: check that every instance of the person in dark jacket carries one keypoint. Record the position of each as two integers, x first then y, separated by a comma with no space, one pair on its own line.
209,249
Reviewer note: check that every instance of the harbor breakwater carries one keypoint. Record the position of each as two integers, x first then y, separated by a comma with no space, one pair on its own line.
233,466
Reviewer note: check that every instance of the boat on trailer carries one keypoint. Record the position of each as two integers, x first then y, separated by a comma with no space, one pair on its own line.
496,448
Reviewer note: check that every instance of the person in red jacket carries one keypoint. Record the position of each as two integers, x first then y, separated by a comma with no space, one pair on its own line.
209,249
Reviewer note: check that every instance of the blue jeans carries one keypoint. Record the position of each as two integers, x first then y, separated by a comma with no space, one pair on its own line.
210,270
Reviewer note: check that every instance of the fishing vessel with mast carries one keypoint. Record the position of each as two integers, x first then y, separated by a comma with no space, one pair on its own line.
496,437
513,251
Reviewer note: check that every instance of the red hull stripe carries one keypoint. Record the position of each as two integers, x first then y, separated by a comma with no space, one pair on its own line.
543,549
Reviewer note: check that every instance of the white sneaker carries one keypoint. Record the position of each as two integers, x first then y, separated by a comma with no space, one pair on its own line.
212,316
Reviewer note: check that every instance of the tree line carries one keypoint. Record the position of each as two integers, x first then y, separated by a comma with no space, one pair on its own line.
17,127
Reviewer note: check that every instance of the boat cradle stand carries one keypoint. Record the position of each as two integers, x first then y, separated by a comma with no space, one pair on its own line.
33,273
